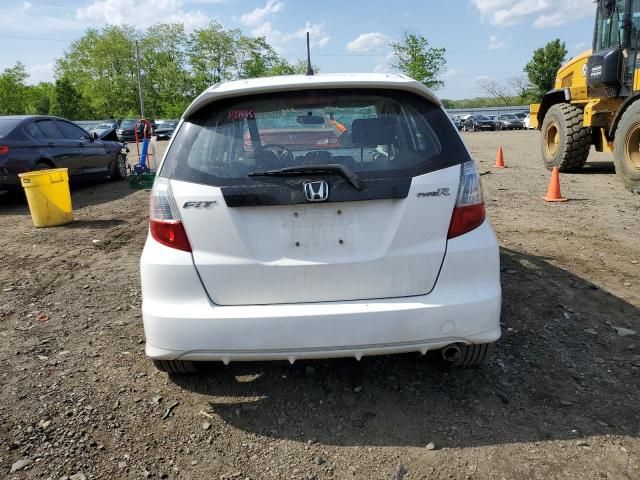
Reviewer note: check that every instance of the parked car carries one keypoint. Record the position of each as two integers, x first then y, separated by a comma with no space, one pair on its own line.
509,122
126,129
298,129
287,251
32,142
526,123
164,129
521,115
475,123
104,127
457,122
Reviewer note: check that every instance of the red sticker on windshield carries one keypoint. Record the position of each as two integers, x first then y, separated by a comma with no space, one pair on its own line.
241,114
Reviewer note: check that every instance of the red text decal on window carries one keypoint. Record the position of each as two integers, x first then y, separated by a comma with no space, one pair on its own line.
241,114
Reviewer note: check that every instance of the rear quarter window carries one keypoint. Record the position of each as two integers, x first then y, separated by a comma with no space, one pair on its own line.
375,133
7,125
33,131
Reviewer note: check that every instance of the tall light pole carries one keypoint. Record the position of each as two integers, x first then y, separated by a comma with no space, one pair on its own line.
139,81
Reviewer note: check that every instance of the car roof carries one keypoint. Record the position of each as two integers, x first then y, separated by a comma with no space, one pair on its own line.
21,119
27,117
286,83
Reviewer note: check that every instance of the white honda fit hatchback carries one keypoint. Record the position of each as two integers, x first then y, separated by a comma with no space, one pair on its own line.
313,217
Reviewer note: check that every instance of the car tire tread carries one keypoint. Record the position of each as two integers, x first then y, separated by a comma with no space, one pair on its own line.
175,366
575,139
472,355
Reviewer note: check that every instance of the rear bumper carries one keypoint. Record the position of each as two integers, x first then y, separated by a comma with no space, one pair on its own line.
181,323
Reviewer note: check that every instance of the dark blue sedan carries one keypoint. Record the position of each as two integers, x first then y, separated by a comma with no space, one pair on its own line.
31,142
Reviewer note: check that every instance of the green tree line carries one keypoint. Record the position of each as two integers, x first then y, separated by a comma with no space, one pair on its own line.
97,77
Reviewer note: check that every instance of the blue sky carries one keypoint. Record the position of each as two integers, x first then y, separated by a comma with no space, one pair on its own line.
484,38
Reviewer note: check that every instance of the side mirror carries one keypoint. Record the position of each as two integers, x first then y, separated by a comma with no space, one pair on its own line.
93,136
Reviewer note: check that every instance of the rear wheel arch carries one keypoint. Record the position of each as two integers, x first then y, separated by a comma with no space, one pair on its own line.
43,162
611,133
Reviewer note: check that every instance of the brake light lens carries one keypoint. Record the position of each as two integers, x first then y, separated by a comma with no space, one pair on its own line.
469,212
165,224
4,149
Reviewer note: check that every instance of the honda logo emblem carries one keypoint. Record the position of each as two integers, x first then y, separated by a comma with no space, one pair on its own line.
316,191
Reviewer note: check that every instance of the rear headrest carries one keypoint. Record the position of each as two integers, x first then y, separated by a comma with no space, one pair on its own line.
373,131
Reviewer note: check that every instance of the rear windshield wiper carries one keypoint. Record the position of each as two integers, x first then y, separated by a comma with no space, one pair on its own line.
334,168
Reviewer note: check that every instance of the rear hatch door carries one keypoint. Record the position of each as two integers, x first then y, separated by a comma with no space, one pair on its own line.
314,237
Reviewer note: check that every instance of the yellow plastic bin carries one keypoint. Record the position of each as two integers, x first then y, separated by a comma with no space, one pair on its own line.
48,196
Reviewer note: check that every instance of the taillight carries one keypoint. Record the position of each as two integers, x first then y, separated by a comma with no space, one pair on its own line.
4,149
469,212
165,224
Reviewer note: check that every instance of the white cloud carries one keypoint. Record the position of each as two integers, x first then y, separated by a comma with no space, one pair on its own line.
258,16
494,43
141,13
384,64
318,37
26,6
368,42
543,13
260,20
40,73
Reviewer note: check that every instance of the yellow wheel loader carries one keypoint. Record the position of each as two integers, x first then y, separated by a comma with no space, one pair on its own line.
596,98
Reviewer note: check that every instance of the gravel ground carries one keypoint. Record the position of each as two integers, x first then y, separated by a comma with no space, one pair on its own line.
559,398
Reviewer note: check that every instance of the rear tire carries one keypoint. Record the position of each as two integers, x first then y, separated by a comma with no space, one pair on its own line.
43,165
565,142
472,355
175,366
626,148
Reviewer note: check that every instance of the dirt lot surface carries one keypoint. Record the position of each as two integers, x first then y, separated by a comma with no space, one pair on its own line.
560,397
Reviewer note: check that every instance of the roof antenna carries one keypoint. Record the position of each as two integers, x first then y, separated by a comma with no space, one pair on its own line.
309,67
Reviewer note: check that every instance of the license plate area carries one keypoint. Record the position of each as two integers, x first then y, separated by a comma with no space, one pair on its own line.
326,227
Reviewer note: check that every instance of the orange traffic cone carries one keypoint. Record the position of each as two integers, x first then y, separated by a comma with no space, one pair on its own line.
499,159
553,194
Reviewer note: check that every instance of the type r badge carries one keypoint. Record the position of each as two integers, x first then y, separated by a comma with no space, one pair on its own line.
440,192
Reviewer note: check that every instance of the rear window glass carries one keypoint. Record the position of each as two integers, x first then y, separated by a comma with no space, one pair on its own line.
6,125
374,133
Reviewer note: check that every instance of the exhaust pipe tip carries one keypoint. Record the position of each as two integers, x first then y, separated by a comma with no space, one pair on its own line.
451,353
